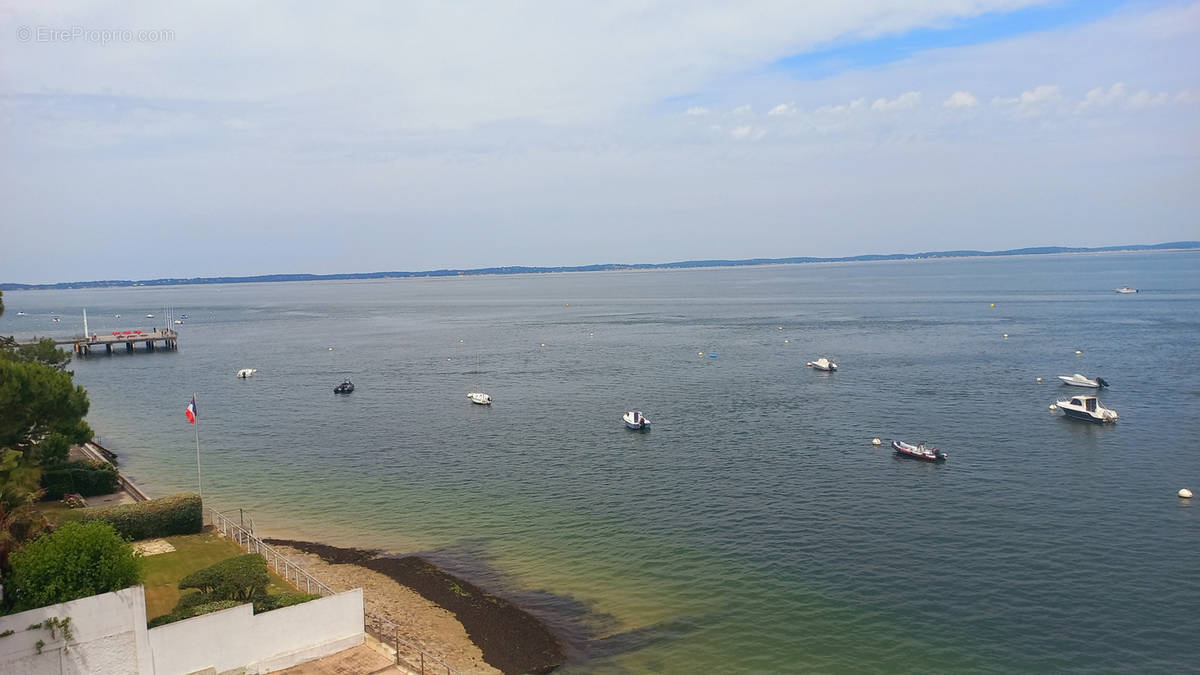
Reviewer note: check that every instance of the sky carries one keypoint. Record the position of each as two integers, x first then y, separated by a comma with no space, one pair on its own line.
142,140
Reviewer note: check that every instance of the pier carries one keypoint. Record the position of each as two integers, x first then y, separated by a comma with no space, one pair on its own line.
154,340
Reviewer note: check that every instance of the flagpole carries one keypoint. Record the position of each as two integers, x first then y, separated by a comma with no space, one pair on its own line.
199,482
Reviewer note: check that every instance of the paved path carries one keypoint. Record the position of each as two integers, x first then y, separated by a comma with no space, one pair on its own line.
359,660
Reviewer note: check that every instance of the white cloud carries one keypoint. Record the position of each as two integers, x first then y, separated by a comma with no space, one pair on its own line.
961,99
1099,97
697,111
1033,102
747,133
1041,94
783,109
904,101
1144,99
741,110
1187,96
856,104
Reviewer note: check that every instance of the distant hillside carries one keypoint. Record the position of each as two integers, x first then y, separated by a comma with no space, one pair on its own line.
1039,250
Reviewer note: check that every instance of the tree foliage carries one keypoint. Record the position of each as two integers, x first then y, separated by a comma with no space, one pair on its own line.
76,561
41,416
242,577
41,411
45,352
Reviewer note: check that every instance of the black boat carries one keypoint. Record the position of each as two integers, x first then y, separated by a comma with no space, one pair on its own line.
344,388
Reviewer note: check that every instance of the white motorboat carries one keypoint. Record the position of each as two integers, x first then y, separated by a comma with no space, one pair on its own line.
823,364
480,398
1126,289
634,419
919,451
246,372
1078,380
1086,408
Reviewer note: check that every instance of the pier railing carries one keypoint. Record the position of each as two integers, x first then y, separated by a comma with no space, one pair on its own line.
407,654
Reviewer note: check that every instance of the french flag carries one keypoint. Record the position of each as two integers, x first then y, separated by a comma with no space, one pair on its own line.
191,410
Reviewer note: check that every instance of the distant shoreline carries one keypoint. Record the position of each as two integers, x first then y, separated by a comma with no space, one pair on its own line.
606,267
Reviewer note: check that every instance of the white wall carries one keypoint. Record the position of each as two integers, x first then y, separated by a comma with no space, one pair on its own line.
235,637
108,636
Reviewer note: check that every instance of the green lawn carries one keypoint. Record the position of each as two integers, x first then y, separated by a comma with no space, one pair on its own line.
163,571
192,552
58,512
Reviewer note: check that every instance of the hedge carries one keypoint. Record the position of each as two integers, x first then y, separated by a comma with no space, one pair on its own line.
83,477
163,517
270,602
180,613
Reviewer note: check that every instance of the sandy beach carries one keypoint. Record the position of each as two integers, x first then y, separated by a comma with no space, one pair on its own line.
452,619
462,625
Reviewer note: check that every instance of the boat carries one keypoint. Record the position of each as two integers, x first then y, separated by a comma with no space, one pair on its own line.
55,319
149,316
919,451
1086,408
823,364
478,397
1078,380
1126,289
248,372
634,419
178,321
344,388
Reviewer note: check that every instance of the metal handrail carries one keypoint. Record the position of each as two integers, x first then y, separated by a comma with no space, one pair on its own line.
414,658
287,569
295,575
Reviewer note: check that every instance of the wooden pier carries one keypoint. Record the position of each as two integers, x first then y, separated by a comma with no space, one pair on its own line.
84,344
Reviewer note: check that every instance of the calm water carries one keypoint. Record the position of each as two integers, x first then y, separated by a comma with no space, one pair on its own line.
754,529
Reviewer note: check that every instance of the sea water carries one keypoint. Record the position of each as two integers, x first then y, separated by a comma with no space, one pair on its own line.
754,528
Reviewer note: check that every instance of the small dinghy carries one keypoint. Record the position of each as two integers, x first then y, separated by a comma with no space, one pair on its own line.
1126,289
823,364
634,419
1078,380
344,388
248,372
479,398
919,451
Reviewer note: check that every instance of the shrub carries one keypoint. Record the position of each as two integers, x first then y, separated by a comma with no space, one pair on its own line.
76,561
74,501
242,577
83,477
267,603
176,514
180,613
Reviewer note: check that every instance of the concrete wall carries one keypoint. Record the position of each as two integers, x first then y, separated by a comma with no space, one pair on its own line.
235,638
108,636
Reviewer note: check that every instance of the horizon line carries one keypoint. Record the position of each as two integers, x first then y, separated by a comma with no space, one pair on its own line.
596,267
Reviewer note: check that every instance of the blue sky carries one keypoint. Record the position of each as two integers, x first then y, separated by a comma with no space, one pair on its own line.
855,51
422,135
